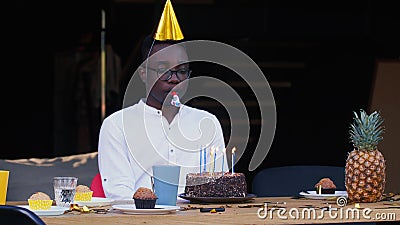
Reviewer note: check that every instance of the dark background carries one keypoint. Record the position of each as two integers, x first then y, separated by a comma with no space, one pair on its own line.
319,57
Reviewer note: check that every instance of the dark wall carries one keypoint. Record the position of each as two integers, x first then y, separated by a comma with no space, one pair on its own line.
33,32
334,45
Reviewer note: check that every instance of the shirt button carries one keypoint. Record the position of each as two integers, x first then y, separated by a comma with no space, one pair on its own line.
171,150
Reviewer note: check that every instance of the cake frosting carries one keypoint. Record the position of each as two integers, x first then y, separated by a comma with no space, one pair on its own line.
82,188
144,193
325,183
215,185
39,196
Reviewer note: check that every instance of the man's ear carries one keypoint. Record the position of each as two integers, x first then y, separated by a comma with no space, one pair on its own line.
142,74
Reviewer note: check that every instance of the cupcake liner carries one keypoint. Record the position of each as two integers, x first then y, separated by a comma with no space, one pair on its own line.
40,204
145,203
83,196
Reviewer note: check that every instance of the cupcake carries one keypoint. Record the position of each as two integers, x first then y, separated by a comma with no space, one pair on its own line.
144,198
83,193
325,186
40,201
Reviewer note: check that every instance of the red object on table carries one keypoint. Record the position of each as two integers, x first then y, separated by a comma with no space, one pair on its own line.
97,187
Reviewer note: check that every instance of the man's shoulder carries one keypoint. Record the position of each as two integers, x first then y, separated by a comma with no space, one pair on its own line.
118,115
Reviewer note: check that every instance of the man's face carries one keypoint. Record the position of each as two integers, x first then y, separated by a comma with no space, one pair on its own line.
165,57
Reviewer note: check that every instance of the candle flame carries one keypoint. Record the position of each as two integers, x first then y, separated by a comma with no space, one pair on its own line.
224,150
233,150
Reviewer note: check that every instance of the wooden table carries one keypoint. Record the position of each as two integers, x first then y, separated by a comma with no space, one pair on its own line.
245,213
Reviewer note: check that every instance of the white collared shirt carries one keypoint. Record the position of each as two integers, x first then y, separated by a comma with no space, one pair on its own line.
134,139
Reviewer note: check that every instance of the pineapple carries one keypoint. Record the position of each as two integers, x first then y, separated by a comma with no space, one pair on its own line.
365,165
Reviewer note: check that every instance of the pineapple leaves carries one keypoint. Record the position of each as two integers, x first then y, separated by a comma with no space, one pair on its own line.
366,130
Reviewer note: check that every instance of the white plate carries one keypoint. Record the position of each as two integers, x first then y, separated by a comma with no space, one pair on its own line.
158,209
96,202
314,195
123,201
53,211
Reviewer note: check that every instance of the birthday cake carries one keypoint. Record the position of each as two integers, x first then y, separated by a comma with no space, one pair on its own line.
215,185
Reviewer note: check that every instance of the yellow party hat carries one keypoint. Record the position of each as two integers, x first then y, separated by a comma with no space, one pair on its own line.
168,27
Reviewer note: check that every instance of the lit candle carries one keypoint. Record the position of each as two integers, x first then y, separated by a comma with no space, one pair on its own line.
211,160
205,160
223,160
201,156
233,159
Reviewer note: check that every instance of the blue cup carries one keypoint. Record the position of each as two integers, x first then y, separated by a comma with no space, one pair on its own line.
166,182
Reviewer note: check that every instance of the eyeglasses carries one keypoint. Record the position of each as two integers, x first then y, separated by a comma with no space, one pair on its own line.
164,75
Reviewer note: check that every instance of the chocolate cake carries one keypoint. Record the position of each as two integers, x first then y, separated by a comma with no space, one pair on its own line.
327,186
216,185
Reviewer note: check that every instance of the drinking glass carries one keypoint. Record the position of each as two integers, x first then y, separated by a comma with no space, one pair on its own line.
166,181
64,190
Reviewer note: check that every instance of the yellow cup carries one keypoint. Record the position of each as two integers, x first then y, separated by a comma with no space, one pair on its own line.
3,186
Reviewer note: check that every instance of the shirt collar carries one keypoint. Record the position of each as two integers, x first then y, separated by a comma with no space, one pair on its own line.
148,109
